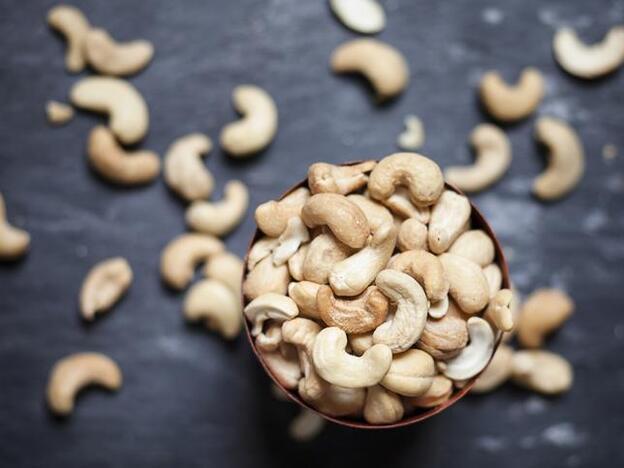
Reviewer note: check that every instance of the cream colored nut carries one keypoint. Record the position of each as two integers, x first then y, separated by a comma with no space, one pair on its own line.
344,218
329,178
427,269
58,113
359,314
419,174
411,373
360,342
440,391
566,163
376,214
216,305
404,329
354,274
337,367
258,126
468,286
444,338
272,217
494,278
271,338
438,309
306,426
269,306
340,401
544,311
498,312
380,63
542,371
75,372
497,372
412,235
117,165
260,250
475,357
72,24
109,57
414,135
511,103
290,240
14,242
382,406
104,285
182,255
399,203
185,173
362,16
324,253
295,263
515,313
589,61
448,218
227,268
283,365
219,218
304,294
474,245
128,114
266,277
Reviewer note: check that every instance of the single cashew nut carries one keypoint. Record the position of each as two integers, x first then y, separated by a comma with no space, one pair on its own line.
414,135
227,268
360,342
304,294
497,372
566,163
306,426
290,240
376,214
498,311
104,285
110,57
219,218
427,269
542,371
72,24
438,309
363,16
185,173
589,61
382,406
269,306
75,372
400,204
264,278
272,217
412,235
444,338
296,262
14,242
448,218
324,253
115,164
58,113
337,367
474,245
511,103
494,278
128,114
258,126
543,312
271,338
380,63
181,256
340,401
473,358
283,365
216,304
468,286
359,314
440,391
329,178
260,250
411,373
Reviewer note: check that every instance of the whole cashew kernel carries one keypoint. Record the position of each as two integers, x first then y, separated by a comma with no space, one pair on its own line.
382,406
498,311
128,114
58,113
72,24
306,426
216,304
329,178
75,372
427,269
468,286
494,278
258,126
227,268
104,285
440,391
473,358
411,373
543,312
448,218
269,306
542,371
497,372
260,250
359,314
271,338
444,338
266,277
185,173
360,342
324,252
511,103
362,16
219,218
272,217
14,242
296,262
290,240
340,401
283,365
304,294
412,235
474,245
110,57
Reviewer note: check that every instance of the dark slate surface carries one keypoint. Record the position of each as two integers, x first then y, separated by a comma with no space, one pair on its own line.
189,399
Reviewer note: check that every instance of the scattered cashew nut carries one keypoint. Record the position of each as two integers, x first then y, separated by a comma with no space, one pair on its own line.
58,113
359,314
414,135
475,357
72,24
362,16
542,371
511,103
109,57
185,173
219,218
14,242
543,312
329,178
216,304
104,285
227,268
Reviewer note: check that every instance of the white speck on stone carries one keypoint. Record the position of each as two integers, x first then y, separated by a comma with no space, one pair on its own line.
492,15
535,405
595,221
618,331
491,444
564,109
564,435
555,20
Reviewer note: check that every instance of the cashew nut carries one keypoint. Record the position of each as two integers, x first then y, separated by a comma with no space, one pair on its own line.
380,63
256,129
589,61
468,286
296,261
216,304
104,285
340,401
440,391
304,294
448,219
264,278
324,252
438,309
14,242
181,256
475,245
444,338
115,164
376,214
427,269
283,365
473,358
75,372
542,371
72,24
511,103
399,203
110,57
185,173
362,16
128,114
382,406
359,314
227,268
404,329
290,240
498,311
271,338
272,217
414,135
360,342
337,367
269,306
411,373
306,426
497,372
58,113
543,312
412,235
260,250
566,162
494,278
219,218
329,178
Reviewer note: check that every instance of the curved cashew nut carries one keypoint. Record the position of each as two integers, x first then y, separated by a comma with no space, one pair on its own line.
265,278
448,218
219,218
382,65
591,61
498,311
344,218
422,177
337,367
412,235
411,373
75,372
497,372
363,16
257,128
360,314
475,245
382,406
304,294
414,135
474,357
511,103
128,114
360,342
340,401
110,57
440,391
329,178
400,204
444,338
185,173
404,329
72,24
269,306
227,268
438,309
296,261
324,252
182,254
542,371
427,269
272,216
104,285
290,240
283,365
468,286
216,304
271,338
376,214
58,113
566,162
544,311
260,250
115,164
14,242
494,277
493,158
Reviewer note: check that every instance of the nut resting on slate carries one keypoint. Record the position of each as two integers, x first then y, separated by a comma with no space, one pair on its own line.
185,172
221,217
110,57
227,268
413,137
363,16
511,103
214,303
541,371
104,285
544,311
71,23
58,113
14,242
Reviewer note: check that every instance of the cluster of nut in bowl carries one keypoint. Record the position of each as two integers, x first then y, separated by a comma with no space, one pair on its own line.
375,293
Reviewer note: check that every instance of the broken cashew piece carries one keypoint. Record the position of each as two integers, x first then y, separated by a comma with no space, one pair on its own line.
329,178
109,57
427,269
542,371
413,137
543,312
475,245
497,372
290,240
468,286
58,113
256,129
104,285
362,16
265,277
72,24
227,268
269,306
75,372
498,311
359,314
382,406
219,218
216,305
411,373
185,173
511,103
473,358
272,217
14,242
